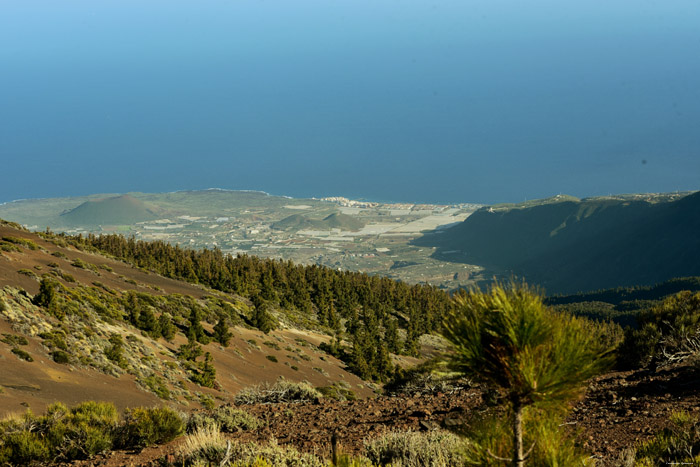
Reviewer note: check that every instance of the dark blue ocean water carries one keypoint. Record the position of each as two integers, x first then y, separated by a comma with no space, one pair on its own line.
435,101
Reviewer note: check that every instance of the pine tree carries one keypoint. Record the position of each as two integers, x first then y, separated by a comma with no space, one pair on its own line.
47,293
391,336
262,319
222,335
166,327
196,330
508,338
190,351
206,373
147,322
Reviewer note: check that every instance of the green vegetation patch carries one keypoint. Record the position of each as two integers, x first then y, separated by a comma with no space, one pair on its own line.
64,435
227,418
678,444
281,391
14,340
22,354
21,241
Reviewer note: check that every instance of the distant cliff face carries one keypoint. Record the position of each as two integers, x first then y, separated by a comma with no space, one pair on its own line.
573,245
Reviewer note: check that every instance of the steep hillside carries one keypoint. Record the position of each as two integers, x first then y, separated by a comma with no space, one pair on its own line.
77,325
116,210
568,245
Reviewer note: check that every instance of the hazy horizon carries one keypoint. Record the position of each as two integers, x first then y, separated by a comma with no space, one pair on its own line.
438,102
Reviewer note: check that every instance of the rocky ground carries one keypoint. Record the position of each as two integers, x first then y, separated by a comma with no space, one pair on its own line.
617,411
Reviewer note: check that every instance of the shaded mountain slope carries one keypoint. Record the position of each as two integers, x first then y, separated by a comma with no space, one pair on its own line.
123,209
590,244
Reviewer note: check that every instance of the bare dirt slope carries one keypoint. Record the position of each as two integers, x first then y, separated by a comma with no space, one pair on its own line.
251,358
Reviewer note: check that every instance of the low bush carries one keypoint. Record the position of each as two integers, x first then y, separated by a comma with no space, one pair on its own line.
12,339
227,418
429,378
677,444
669,333
23,448
158,386
64,434
28,273
337,391
22,354
61,434
207,446
115,351
9,247
147,426
549,443
411,449
21,241
59,356
281,391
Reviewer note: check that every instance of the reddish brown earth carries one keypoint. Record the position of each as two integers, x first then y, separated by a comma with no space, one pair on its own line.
245,362
617,411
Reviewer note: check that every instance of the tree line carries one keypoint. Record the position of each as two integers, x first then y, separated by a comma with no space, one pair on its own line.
370,310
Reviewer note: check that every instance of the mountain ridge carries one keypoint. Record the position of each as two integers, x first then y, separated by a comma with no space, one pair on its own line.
570,246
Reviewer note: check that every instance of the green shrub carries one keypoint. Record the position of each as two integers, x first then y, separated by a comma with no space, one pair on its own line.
84,431
668,333
22,354
337,392
65,435
639,346
273,345
54,340
22,241
147,426
281,391
272,358
67,277
59,254
28,273
551,447
158,386
12,339
22,448
429,378
207,446
115,352
411,449
227,418
59,356
679,443
9,247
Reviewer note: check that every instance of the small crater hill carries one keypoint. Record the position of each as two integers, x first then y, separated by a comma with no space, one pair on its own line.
568,245
116,210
